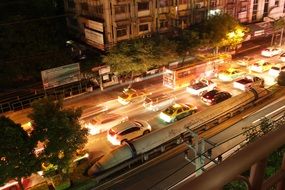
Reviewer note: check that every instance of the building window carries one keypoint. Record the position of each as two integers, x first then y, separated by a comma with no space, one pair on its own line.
71,4
277,3
143,28
254,10
164,3
120,9
143,6
122,31
182,2
84,6
266,8
163,24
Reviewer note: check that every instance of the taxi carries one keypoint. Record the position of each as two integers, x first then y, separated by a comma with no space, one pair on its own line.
261,66
176,112
231,74
130,95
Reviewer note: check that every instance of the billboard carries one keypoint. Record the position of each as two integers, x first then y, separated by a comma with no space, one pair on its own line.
60,75
94,36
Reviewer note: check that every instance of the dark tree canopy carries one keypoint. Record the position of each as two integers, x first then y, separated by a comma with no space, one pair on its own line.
59,130
17,158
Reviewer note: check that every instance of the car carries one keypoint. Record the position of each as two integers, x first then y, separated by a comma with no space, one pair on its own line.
130,95
215,96
176,112
127,131
247,82
200,86
103,122
276,69
260,66
245,61
157,102
230,74
271,51
282,57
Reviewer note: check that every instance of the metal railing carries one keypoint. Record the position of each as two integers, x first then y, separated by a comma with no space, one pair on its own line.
252,156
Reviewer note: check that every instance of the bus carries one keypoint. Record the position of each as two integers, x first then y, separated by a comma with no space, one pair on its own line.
180,76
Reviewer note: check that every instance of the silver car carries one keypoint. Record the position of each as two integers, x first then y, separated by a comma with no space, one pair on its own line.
158,101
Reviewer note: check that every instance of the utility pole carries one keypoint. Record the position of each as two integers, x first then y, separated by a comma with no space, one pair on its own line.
200,155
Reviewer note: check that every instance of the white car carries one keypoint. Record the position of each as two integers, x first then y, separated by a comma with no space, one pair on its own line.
275,70
201,86
247,82
104,122
270,52
158,102
127,131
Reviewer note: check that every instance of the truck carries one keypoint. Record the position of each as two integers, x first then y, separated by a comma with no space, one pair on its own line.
200,86
247,82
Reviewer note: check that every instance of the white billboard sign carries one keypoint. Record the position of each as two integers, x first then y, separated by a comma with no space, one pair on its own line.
94,36
95,25
60,75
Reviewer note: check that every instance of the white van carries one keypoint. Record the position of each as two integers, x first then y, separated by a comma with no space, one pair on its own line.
158,102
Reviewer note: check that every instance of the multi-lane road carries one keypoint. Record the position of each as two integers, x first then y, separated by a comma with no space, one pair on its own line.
98,144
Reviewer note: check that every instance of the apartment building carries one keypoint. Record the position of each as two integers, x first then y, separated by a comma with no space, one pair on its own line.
266,10
103,23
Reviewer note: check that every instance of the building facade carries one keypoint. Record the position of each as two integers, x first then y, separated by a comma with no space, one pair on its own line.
103,23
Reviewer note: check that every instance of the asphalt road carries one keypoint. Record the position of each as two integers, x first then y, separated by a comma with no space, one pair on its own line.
169,172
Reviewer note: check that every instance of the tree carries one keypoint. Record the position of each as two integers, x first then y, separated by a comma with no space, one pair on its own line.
17,159
59,130
135,57
221,30
281,78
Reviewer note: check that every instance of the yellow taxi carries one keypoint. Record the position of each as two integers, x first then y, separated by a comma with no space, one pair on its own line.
176,112
231,74
130,95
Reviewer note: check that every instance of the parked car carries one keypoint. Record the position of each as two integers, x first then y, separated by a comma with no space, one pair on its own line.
247,82
245,61
215,96
231,74
158,102
130,95
176,112
260,66
127,131
271,51
276,69
103,122
201,86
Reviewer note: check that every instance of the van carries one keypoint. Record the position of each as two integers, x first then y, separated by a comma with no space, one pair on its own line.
158,102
